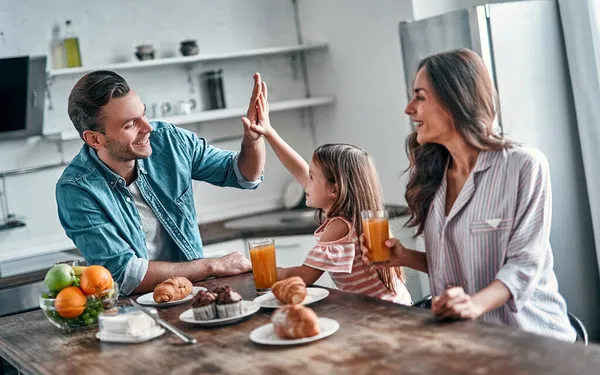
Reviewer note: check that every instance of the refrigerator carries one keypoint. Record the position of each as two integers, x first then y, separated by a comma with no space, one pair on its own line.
522,45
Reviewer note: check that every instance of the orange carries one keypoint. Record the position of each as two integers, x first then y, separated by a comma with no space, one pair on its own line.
95,279
70,302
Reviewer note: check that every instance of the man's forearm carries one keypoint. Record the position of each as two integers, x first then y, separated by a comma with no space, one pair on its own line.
252,158
194,271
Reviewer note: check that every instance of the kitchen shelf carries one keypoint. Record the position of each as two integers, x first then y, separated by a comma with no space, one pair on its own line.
219,114
208,57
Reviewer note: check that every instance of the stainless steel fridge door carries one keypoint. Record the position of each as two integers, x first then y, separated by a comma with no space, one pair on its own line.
465,28
532,74
538,110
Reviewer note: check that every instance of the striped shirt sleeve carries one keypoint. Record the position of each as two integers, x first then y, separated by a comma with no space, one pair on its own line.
527,248
332,257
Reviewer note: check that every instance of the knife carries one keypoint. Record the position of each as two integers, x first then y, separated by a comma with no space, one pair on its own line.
186,338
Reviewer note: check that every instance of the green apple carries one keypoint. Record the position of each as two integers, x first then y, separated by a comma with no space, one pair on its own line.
59,277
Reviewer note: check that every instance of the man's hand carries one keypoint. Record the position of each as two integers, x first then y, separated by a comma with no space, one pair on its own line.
256,90
263,126
231,264
252,113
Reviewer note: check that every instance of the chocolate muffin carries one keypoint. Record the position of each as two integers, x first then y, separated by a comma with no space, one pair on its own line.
229,304
222,289
204,305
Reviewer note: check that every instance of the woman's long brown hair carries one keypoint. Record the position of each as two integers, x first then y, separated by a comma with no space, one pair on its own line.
358,189
464,88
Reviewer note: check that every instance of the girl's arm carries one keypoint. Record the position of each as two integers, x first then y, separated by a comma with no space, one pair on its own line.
334,231
308,274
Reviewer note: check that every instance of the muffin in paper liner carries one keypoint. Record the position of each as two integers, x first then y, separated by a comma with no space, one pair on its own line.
208,312
229,304
230,310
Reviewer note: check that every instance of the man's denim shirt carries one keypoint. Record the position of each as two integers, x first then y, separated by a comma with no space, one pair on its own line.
98,212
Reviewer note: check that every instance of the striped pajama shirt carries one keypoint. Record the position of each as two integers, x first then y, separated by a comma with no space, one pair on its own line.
499,229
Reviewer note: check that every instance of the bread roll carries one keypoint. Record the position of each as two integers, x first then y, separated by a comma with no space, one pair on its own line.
295,322
290,291
172,289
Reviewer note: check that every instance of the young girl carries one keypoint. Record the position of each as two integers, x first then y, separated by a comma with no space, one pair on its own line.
340,182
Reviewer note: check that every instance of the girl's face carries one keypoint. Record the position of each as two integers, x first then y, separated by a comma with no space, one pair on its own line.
320,193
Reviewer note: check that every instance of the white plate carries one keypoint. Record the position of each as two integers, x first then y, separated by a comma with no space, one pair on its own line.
313,295
248,308
150,334
148,299
267,336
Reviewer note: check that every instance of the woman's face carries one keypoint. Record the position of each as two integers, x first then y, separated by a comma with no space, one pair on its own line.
432,121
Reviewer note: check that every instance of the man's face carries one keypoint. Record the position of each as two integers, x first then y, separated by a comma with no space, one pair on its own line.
126,129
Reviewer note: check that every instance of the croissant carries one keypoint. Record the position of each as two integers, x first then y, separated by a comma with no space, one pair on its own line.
172,289
295,322
290,291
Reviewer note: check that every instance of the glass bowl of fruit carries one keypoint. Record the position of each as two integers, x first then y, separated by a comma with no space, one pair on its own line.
77,295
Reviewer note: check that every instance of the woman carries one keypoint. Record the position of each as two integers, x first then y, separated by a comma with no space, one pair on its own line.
482,204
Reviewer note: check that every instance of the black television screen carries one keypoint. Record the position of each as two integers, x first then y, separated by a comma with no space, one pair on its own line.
22,84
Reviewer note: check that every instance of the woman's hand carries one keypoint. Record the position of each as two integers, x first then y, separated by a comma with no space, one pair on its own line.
398,253
456,304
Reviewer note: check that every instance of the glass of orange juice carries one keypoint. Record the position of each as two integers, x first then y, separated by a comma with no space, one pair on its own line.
376,228
264,265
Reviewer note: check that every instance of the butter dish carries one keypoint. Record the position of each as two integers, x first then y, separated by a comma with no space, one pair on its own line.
128,325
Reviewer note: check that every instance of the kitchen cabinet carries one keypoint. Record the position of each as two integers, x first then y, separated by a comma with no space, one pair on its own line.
221,249
417,282
292,251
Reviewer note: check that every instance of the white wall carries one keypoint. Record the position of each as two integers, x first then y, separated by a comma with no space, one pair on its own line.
108,32
430,8
364,69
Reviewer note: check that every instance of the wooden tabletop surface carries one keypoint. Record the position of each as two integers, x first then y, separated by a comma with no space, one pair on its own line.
375,337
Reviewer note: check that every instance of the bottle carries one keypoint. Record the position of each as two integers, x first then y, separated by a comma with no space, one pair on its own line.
213,89
72,51
57,49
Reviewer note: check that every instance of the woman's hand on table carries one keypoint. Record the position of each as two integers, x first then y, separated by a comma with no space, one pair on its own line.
454,303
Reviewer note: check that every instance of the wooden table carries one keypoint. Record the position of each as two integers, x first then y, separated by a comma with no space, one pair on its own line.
375,337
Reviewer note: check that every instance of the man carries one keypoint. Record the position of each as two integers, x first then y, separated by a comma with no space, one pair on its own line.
126,199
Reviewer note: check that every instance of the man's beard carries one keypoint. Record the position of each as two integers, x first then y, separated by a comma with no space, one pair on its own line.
123,153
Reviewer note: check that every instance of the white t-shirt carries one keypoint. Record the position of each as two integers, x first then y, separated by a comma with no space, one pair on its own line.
158,242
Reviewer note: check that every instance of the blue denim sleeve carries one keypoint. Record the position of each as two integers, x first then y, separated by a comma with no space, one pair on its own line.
96,237
215,166
135,270
241,179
